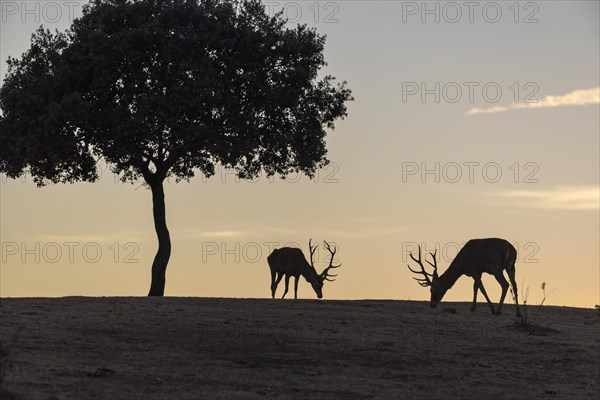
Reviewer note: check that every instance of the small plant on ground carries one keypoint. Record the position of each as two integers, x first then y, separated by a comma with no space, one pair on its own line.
525,322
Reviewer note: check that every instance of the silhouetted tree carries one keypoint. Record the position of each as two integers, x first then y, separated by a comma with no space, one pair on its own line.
166,88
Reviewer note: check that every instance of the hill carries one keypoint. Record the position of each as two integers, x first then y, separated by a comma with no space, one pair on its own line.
191,348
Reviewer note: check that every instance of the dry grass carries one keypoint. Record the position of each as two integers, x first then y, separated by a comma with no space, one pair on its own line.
190,348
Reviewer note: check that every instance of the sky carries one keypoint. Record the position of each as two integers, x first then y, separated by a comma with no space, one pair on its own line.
470,120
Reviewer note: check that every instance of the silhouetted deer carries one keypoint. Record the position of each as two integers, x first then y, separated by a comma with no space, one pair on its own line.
492,256
290,261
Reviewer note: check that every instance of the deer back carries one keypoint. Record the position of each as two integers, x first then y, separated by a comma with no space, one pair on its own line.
484,255
290,260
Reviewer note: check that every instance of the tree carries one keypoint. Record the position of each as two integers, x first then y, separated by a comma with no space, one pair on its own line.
168,88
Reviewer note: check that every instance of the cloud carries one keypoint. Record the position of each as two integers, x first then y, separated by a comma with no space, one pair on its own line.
133,236
348,231
198,233
580,97
362,232
560,198
491,110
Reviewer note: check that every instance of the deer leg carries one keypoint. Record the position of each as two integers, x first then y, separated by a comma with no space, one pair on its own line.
274,284
502,281
296,287
287,284
480,284
475,289
511,276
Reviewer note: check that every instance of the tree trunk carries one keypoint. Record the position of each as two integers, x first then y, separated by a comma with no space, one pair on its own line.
159,266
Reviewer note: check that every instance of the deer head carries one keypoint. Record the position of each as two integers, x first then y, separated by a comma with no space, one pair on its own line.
436,289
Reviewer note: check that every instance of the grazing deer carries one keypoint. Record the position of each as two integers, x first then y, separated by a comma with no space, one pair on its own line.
492,256
290,261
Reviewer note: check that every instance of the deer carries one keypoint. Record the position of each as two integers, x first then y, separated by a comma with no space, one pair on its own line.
492,256
290,261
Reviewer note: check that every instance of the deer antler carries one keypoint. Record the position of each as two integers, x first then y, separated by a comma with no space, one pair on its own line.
325,275
434,265
312,252
425,281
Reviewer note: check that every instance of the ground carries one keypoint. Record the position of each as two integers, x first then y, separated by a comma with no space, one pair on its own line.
198,348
